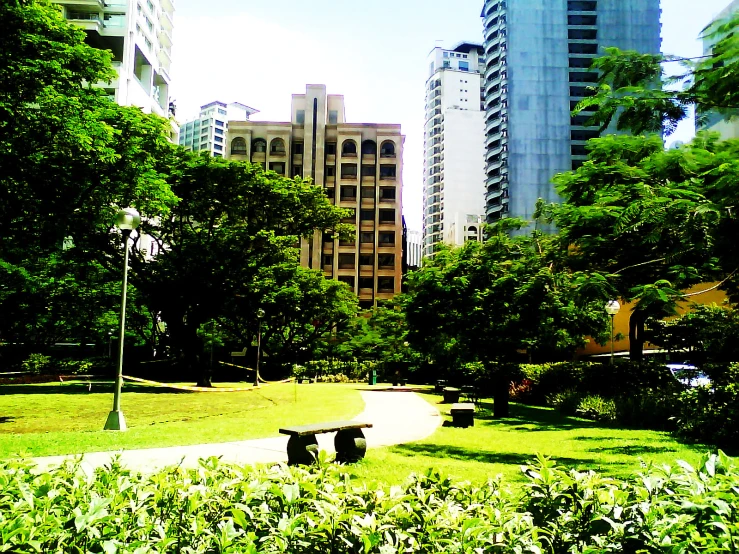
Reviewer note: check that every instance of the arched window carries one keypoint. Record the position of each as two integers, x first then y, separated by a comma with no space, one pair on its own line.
277,146
348,148
369,148
238,146
387,150
259,145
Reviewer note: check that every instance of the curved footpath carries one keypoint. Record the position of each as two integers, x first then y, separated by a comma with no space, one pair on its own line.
398,416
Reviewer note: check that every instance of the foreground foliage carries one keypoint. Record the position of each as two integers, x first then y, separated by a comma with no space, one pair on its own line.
222,508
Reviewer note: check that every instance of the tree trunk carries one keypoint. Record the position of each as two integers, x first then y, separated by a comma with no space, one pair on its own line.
636,335
500,396
189,348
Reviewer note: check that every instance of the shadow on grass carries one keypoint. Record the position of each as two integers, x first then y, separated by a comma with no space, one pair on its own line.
634,450
84,388
486,457
536,418
6,419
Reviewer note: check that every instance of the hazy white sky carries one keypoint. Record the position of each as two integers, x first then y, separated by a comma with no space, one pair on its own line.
374,53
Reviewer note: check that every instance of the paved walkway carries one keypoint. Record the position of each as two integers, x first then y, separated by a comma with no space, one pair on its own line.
398,416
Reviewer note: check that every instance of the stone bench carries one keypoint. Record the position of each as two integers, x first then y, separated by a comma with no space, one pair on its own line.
350,444
451,395
463,415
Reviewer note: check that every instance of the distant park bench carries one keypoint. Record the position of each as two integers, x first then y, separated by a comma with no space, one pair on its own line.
350,444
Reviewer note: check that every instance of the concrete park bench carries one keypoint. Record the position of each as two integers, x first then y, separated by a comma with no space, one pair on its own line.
350,444
451,395
463,415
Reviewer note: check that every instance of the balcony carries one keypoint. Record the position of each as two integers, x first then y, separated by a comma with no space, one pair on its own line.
166,21
165,39
167,5
87,4
86,21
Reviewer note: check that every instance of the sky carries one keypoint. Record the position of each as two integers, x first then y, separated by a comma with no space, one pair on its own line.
261,52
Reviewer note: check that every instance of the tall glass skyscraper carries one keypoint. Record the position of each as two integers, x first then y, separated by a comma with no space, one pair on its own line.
538,55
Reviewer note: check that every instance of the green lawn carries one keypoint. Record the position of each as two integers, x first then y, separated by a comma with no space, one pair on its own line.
494,447
54,418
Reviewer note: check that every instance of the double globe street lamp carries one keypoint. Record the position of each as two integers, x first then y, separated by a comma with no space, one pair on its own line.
127,220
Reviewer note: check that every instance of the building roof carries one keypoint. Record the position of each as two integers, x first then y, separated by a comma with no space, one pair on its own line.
467,47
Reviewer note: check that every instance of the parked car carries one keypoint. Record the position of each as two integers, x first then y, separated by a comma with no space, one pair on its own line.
689,375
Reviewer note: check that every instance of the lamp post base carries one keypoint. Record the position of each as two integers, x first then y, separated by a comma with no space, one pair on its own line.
115,421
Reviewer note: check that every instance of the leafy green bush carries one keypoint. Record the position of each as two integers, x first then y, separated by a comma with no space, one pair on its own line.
566,402
231,509
75,367
710,415
649,408
36,363
597,408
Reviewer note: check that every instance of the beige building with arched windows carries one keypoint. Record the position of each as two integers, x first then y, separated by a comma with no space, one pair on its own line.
360,167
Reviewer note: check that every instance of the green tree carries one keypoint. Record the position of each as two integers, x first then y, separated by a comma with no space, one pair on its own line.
499,301
68,157
650,221
649,93
221,247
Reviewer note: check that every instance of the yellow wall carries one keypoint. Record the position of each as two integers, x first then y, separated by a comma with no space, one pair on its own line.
621,321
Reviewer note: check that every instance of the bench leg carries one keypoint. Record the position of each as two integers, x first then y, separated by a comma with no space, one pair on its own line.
350,446
302,450
463,420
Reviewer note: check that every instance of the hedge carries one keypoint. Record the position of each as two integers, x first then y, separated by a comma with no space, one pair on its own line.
219,508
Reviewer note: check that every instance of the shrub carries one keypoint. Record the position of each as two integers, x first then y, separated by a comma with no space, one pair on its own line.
75,367
566,402
228,509
710,415
597,408
36,363
649,408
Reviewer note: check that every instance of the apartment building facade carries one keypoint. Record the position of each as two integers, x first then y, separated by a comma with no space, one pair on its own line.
139,35
538,55
360,167
207,132
454,142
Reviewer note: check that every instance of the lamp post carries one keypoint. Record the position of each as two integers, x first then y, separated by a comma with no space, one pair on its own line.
127,220
260,316
612,308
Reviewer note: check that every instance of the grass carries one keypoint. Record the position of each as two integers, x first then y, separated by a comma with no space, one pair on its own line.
501,446
54,418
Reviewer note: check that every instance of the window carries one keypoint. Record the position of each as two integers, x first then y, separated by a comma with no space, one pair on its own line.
464,66
348,148
328,237
328,259
333,117
330,171
297,148
348,279
348,193
348,171
387,172
218,131
387,193
330,149
222,111
366,283
218,139
217,147
277,167
260,145
365,259
297,171
386,239
366,237
387,150
386,261
219,123
300,117
386,284
368,171
330,192
149,24
277,146
369,148
367,215
368,192
387,216
238,146
346,261
150,5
